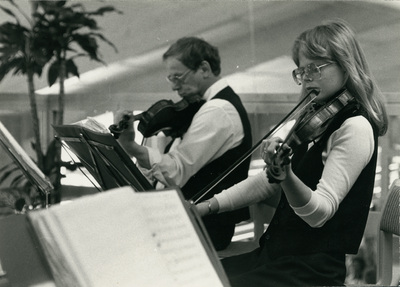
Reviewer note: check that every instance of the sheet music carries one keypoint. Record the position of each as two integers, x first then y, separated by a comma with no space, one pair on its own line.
176,240
123,238
93,124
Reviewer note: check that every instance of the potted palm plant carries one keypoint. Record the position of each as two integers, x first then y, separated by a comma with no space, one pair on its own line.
56,35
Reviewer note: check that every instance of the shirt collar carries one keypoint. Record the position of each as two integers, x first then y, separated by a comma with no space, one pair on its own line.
215,89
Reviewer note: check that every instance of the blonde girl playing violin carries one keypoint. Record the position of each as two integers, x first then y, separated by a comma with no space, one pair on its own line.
328,184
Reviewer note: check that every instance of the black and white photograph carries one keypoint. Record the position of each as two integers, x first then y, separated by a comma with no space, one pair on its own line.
193,143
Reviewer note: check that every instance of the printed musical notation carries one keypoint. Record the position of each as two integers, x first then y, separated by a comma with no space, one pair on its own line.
124,238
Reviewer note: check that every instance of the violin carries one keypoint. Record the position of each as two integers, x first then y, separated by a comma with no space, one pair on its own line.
310,126
292,114
171,118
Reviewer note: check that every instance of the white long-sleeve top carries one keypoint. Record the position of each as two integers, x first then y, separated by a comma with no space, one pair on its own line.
348,151
215,129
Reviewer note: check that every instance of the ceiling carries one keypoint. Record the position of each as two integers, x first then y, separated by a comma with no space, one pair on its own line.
254,39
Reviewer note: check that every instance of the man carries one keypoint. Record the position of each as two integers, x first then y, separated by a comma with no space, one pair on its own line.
217,136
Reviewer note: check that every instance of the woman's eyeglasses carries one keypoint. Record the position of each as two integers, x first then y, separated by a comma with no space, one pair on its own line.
178,79
311,71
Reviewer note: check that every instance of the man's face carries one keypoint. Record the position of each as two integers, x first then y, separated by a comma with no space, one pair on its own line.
187,83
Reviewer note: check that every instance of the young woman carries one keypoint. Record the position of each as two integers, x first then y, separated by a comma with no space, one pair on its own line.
328,180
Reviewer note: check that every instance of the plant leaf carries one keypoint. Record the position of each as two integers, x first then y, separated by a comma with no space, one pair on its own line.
18,180
53,73
9,12
72,69
88,44
7,173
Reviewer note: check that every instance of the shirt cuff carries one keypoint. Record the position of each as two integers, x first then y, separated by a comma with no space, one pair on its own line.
249,191
308,209
154,156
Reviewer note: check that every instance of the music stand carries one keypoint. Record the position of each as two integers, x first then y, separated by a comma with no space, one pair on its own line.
103,157
24,162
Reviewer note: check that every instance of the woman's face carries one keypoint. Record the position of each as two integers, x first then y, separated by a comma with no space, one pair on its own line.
332,78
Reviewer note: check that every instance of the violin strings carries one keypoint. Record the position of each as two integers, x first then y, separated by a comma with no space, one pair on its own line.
294,115
299,112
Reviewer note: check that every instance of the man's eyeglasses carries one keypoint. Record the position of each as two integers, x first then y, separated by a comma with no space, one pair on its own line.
178,79
311,71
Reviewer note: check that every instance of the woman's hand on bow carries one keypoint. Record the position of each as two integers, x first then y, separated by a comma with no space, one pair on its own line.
274,149
276,155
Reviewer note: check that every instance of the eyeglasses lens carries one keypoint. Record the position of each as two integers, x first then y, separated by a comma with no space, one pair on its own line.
311,71
178,79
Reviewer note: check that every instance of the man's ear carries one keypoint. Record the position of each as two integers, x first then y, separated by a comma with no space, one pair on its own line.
205,69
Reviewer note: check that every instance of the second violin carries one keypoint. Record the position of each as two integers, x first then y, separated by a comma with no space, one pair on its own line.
171,118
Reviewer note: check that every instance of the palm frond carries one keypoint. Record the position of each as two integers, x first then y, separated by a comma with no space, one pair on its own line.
5,174
9,12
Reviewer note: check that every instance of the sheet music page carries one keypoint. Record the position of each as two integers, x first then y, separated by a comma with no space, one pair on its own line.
123,238
93,124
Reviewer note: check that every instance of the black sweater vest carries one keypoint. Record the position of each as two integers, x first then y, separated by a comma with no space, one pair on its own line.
212,170
288,234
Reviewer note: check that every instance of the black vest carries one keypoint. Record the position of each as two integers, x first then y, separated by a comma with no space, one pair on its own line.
288,234
212,170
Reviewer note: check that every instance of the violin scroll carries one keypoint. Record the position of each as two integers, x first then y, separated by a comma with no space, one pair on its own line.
123,124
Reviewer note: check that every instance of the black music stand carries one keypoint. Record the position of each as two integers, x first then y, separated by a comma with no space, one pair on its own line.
103,157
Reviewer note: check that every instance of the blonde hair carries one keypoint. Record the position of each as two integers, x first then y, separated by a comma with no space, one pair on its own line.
335,41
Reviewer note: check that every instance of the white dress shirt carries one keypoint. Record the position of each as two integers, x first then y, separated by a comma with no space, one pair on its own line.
215,129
